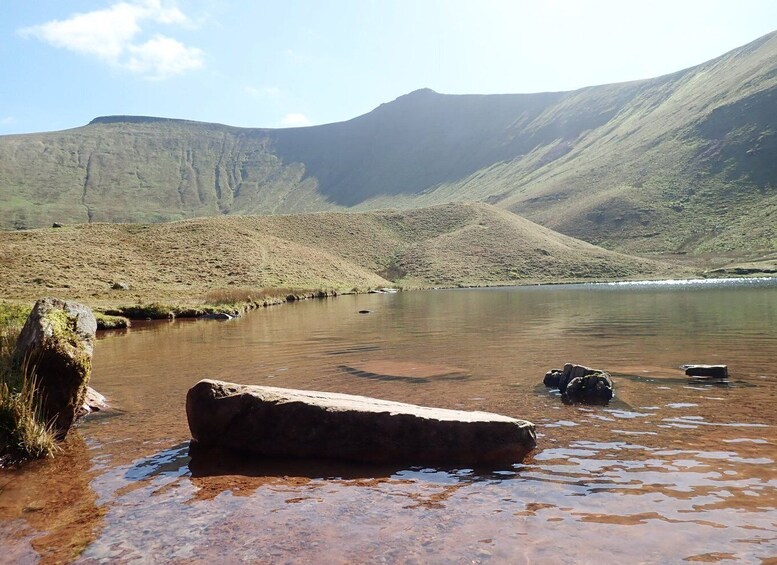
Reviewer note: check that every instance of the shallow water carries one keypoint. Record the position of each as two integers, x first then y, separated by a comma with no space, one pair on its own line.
671,470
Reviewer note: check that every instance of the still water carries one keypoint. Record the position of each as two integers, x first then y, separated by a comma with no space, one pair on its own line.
670,471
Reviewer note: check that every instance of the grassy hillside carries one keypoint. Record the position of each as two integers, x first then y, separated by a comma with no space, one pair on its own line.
453,244
684,163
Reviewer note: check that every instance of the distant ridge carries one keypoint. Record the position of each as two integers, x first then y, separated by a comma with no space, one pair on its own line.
137,120
683,163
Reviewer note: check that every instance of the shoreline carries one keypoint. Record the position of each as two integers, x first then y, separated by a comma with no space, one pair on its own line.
118,314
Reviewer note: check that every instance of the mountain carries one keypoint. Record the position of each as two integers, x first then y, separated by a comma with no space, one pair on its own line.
683,163
446,245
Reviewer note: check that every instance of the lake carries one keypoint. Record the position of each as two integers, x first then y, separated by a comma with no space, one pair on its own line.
671,470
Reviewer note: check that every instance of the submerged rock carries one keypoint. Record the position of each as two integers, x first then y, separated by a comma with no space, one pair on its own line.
217,316
707,371
93,402
593,387
57,341
578,383
286,423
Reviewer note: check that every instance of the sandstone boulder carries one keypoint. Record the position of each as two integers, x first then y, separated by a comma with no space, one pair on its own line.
285,423
57,341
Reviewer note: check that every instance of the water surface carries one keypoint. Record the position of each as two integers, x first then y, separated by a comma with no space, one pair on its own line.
672,470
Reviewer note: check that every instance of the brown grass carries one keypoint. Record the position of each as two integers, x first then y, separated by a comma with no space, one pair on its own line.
224,296
230,259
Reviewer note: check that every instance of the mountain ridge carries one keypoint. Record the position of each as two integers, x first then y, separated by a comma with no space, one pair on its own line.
683,163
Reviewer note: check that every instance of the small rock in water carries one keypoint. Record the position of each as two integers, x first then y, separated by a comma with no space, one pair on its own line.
579,383
217,316
93,402
707,371
552,378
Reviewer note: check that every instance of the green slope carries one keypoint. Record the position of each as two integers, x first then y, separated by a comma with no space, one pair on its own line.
448,245
681,163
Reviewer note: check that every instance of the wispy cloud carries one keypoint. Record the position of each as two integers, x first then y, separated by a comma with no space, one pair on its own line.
7,120
297,57
295,120
257,92
114,35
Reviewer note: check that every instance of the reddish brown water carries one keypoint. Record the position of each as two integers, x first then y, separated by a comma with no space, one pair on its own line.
670,471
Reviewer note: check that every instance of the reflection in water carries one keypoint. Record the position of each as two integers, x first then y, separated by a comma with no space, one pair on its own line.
48,509
168,462
407,378
671,470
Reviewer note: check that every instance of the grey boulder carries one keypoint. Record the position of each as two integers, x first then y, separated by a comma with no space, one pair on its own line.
57,342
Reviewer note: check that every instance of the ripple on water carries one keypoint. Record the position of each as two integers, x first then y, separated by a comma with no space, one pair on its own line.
664,461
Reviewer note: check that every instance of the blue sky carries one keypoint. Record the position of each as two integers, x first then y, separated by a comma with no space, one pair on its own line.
276,64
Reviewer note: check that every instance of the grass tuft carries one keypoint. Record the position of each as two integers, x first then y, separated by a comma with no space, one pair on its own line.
23,432
107,322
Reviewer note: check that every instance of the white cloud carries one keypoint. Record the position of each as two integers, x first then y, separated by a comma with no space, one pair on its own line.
295,120
7,120
112,35
162,57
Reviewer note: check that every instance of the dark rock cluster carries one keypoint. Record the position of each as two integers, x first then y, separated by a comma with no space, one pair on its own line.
578,383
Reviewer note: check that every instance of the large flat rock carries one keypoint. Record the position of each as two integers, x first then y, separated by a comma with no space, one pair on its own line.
284,423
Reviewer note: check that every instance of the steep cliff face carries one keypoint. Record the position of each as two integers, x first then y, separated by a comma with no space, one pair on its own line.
121,170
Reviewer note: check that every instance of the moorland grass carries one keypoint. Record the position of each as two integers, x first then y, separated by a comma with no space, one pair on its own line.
229,260
108,322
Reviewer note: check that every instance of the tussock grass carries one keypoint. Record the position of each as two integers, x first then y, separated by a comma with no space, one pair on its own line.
262,296
108,322
232,301
242,295
13,315
23,433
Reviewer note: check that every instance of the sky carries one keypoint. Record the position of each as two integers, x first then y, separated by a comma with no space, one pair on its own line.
255,63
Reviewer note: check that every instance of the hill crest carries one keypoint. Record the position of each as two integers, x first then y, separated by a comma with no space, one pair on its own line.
447,245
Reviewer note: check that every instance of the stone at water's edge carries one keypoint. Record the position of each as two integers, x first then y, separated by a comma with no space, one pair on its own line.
707,371
93,402
57,340
286,423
